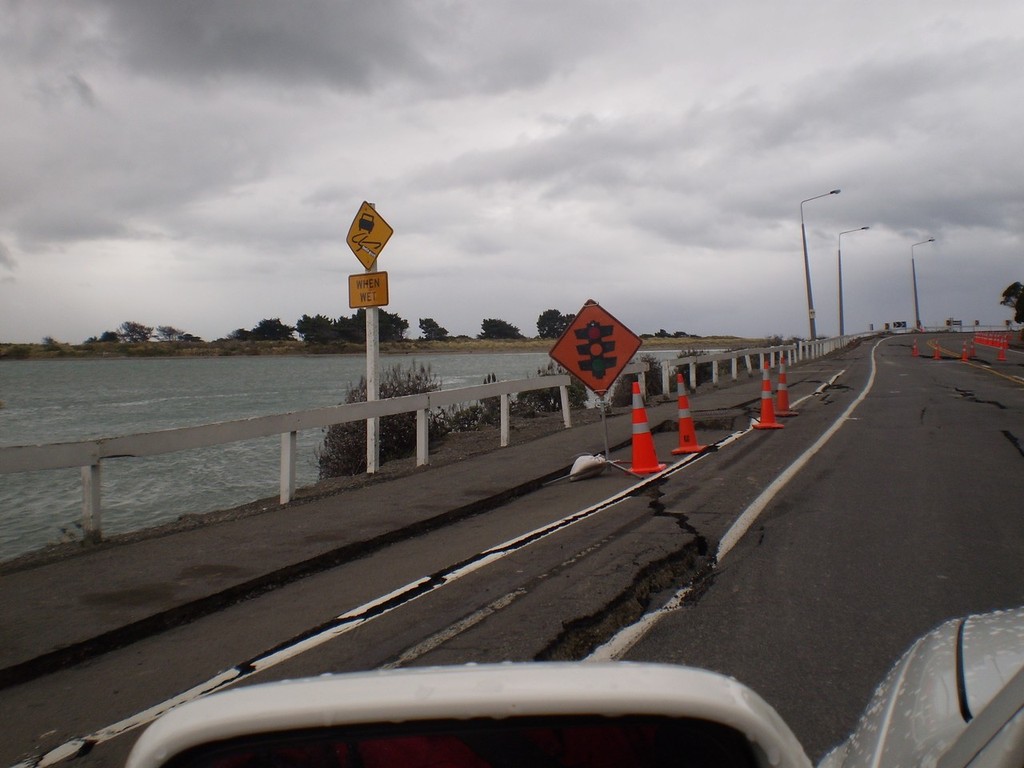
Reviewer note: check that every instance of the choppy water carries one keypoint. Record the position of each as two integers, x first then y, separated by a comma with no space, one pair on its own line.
49,401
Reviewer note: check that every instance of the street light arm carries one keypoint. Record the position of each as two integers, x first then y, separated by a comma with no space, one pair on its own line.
848,231
826,194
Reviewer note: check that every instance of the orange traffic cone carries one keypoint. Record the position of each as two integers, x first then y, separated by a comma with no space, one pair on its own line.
936,355
687,431
913,350
645,461
783,409
1001,357
963,354
767,420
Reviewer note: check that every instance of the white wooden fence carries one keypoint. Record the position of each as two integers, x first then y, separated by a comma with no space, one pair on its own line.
88,455
803,350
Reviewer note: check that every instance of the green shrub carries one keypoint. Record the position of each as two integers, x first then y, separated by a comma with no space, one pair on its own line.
344,448
16,351
469,418
464,418
622,392
530,404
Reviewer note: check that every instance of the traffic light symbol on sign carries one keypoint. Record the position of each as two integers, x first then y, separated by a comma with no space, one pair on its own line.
595,348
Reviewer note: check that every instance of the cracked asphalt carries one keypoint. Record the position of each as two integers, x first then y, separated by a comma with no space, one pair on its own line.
447,565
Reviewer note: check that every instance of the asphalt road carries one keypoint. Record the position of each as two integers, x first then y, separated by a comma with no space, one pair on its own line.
905,511
911,514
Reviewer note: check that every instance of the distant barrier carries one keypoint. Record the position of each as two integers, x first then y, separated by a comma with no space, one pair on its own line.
88,455
995,339
768,357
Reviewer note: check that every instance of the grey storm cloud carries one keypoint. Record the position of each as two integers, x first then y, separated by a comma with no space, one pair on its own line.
444,47
6,260
198,162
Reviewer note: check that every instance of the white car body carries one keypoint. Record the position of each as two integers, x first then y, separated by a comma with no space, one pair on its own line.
955,698
936,704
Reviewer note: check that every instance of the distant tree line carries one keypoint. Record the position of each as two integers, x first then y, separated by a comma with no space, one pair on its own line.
320,329
131,332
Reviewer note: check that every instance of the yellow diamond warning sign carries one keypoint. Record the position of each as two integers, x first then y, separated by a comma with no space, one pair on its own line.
368,235
369,289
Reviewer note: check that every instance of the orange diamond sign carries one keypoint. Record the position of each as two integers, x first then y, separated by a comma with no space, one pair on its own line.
595,348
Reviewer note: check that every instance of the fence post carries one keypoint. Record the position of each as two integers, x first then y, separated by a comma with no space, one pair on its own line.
504,420
693,376
91,513
714,373
734,367
563,391
422,439
664,377
288,443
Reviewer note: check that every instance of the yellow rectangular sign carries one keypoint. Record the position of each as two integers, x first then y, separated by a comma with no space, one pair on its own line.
369,289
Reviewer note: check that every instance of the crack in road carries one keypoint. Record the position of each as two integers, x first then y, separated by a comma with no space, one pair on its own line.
970,397
1014,441
581,636
689,563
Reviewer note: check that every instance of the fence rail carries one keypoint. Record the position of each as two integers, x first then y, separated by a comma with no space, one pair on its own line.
801,350
88,455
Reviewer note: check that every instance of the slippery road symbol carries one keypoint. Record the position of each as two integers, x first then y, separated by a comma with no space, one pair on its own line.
368,235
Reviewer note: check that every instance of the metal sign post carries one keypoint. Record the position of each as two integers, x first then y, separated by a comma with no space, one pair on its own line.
602,403
367,237
372,388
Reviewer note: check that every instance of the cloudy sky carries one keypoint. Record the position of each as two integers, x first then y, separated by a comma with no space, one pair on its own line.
198,163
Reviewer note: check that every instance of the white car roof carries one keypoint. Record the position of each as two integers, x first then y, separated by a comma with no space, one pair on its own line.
473,691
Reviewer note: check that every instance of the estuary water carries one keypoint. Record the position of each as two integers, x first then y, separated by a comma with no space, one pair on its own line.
51,401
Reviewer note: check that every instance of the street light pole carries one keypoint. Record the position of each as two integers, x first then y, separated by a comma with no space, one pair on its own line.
807,263
913,272
842,326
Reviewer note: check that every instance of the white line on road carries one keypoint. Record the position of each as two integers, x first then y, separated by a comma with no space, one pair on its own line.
348,621
629,636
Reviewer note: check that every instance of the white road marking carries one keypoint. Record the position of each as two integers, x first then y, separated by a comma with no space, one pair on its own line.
363,614
350,620
440,638
629,636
